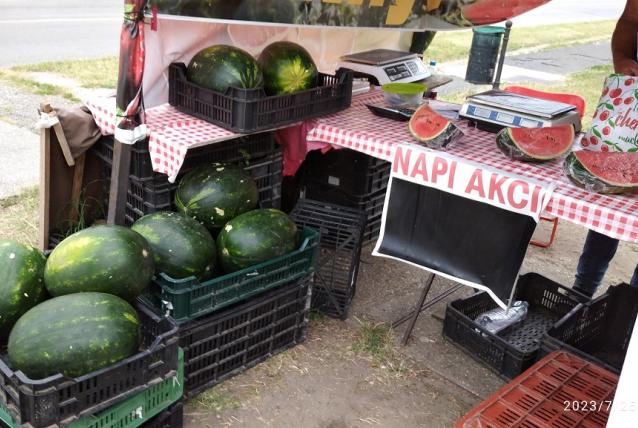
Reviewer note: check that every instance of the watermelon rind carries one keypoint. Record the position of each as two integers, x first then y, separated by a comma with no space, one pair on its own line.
74,335
441,138
583,178
506,142
105,258
182,247
21,282
287,68
215,193
255,237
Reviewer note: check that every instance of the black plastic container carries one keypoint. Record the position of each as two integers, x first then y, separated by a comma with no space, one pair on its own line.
348,178
58,400
173,417
250,110
150,191
598,331
228,342
512,351
341,229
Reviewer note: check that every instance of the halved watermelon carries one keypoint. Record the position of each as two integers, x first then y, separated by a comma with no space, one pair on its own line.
482,12
606,172
535,144
431,128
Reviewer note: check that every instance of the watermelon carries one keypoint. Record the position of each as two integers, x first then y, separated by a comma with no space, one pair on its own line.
254,237
482,12
181,246
603,172
108,259
21,283
287,68
215,193
220,67
535,144
431,128
74,335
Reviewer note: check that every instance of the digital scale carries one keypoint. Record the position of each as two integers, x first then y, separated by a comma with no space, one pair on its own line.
386,66
494,110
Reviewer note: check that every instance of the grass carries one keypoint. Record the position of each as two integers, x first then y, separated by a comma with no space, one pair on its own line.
450,46
217,400
588,84
23,82
377,342
18,217
89,73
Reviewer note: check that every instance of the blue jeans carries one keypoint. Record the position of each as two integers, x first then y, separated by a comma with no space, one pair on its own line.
598,251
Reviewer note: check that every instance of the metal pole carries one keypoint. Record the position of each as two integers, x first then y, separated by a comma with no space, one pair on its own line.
501,59
417,311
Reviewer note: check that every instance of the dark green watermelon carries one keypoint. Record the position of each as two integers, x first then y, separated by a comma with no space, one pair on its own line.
108,259
74,335
215,193
287,68
220,67
181,246
21,282
254,237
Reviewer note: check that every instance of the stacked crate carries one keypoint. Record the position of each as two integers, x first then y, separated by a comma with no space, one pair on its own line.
349,178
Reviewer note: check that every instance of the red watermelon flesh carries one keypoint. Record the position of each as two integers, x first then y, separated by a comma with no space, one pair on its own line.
614,168
482,12
543,143
431,128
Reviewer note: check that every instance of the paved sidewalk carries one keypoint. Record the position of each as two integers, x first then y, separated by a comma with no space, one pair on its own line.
19,159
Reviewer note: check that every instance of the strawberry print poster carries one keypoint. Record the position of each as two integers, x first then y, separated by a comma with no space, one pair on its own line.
615,122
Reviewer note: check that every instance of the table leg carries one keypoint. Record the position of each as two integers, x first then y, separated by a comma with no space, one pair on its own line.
417,309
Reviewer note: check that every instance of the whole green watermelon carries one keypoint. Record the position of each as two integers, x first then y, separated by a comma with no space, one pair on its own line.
220,67
108,259
254,237
21,283
215,193
74,335
287,68
181,246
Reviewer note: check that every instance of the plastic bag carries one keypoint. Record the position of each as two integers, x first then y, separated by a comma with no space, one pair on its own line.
499,319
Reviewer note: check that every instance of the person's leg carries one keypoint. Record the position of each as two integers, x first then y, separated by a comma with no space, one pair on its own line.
634,278
597,252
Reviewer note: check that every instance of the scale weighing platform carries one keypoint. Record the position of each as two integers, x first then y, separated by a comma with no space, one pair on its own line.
386,66
494,110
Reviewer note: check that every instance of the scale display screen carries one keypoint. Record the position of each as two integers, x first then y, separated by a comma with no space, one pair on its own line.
504,118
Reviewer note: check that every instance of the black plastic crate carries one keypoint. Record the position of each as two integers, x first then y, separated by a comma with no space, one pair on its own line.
336,270
250,110
259,153
351,172
58,400
598,330
515,349
173,417
228,342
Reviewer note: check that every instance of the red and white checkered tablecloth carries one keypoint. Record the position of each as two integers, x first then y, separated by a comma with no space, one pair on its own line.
358,129
170,133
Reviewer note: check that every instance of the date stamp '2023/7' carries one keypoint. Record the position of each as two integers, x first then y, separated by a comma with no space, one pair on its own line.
599,406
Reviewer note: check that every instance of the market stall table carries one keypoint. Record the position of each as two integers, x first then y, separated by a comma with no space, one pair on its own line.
358,129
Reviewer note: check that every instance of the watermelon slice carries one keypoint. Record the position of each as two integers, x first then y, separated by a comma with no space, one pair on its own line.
431,128
535,144
603,172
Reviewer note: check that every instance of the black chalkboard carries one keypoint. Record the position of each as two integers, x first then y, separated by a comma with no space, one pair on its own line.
457,236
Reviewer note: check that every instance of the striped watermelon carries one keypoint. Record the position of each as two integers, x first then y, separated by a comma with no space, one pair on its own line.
21,284
215,193
181,246
220,67
74,335
254,237
108,259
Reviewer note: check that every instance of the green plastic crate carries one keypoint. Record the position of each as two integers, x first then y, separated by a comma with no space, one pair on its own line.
132,412
188,299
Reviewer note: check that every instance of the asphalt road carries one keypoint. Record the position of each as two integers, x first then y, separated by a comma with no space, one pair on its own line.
38,30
